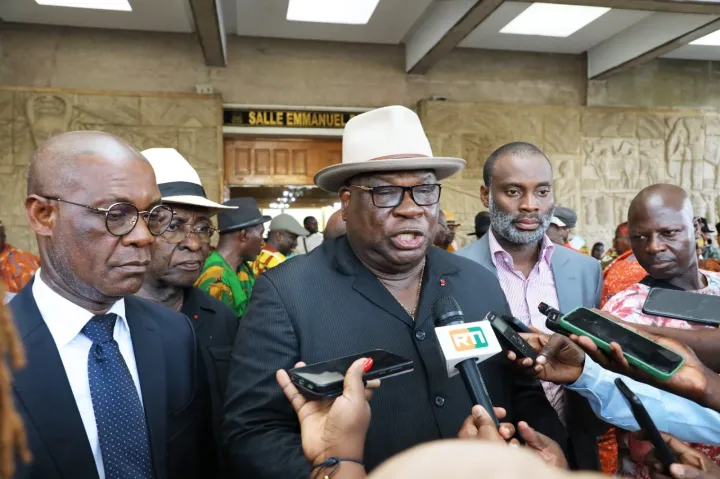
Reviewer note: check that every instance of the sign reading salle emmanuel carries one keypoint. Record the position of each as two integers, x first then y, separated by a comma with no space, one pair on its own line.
286,118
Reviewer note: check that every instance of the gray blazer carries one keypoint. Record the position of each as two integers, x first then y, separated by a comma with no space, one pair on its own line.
578,278
578,282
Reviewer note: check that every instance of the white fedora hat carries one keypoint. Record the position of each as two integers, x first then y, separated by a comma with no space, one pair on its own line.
178,182
386,139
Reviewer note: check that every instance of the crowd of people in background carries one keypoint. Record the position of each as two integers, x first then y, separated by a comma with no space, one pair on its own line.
149,353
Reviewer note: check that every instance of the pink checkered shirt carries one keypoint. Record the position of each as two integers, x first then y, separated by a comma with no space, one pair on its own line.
524,294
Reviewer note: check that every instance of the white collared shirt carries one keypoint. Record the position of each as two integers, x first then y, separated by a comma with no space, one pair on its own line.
65,321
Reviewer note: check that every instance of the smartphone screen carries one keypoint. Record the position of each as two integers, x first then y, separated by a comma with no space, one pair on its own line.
632,343
686,305
333,371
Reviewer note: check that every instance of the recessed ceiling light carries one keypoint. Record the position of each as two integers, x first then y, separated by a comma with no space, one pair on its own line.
352,12
120,5
551,20
711,39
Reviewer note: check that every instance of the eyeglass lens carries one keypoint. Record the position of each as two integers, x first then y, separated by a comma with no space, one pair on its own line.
391,195
177,232
122,218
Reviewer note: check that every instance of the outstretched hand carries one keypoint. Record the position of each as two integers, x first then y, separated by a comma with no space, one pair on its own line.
690,381
334,427
559,360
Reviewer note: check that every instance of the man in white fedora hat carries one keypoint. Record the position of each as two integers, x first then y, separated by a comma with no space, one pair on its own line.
373,288
178,256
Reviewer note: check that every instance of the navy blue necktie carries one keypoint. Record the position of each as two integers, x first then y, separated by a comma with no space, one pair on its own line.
119,414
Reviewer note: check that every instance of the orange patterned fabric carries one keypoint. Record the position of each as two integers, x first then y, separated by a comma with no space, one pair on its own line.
18,268
608,452
619,275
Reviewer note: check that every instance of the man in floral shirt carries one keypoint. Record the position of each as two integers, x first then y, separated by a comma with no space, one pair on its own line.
662,237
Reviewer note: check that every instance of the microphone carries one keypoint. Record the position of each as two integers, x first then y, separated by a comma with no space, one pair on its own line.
463,345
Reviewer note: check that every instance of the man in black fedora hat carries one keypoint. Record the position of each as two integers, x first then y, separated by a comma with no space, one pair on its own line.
228,275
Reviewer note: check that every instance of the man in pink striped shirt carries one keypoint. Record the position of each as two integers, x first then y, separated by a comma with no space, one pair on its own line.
519,195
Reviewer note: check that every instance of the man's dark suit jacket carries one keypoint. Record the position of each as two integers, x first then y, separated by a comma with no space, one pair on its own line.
215,327
326,305
174,393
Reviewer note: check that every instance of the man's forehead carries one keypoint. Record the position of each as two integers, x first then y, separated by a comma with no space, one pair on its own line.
522,168
391,177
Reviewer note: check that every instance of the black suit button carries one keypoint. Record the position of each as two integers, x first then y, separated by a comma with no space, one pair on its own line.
439,401
420,335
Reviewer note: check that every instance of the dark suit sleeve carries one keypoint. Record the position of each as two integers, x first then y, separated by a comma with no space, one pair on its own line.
531,405
599,288
261,431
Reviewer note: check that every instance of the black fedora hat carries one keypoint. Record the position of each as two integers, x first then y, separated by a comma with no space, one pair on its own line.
482,224
247,214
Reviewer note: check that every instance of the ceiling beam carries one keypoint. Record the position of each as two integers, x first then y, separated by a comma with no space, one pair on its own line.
207,15
668,6
651,38
442,29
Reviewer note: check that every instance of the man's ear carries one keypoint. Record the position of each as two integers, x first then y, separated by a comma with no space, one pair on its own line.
344,194
42,214
485,196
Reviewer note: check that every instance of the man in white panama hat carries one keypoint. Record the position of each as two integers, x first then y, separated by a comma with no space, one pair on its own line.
373,288
178,256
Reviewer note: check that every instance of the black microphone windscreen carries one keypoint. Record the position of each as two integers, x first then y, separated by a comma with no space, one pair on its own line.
447,310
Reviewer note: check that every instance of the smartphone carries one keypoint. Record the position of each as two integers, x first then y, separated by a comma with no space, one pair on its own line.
662,450
640,351
326,379
686,305
509,338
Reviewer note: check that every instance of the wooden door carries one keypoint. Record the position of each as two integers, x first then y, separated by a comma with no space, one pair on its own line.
278,162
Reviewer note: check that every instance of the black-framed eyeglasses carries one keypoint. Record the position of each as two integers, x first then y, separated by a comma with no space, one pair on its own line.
177,232
390,196
121,218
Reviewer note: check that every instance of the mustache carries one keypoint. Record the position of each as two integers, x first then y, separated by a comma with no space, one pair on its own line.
526,216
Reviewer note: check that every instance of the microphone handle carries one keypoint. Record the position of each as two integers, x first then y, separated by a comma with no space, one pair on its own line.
476,387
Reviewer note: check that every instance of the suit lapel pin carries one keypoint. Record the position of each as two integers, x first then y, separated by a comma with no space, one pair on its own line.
442,282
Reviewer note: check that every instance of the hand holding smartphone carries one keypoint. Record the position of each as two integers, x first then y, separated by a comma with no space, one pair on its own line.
640,351
647,426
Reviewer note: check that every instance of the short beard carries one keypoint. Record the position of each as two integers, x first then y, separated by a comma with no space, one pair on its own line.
503,224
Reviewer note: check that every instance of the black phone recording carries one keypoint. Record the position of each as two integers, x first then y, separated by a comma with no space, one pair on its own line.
685,305
326,379
662,450
509,338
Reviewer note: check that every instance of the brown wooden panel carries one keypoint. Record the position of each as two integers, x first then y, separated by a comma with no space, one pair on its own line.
263,162
300,166
266,161
242,163
281,161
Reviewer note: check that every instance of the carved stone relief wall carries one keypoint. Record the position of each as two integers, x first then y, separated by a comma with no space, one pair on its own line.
601,157
189,123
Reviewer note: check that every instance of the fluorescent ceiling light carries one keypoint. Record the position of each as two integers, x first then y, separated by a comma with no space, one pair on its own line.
352,12
120,5
551,20
711,39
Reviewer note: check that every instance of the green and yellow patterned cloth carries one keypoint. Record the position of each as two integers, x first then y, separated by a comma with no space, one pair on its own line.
231,287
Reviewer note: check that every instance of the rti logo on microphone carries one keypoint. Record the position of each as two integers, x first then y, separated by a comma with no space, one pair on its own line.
468,338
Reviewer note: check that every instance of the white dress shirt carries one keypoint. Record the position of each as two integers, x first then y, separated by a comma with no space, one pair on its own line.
65,321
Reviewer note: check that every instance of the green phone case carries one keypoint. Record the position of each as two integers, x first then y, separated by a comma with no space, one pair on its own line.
606,347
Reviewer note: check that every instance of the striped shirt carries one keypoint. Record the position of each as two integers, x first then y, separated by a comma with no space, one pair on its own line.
524,294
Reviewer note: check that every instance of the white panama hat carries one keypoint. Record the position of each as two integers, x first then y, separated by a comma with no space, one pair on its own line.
178,181
386,139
